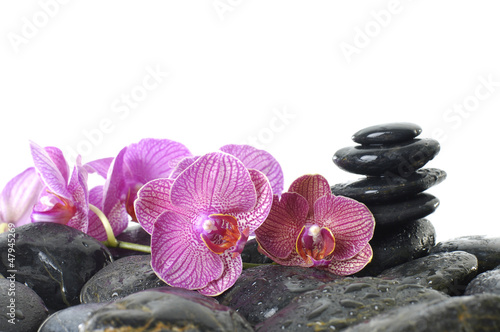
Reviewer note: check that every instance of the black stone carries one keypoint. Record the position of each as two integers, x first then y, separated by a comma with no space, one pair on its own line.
54,260
398,245
460,313
250,254
123,277
448,272
261,291
487,282
133,234
70,318
166,309
387,133
341,303
21,308
402,159
390,188
485,248
413,208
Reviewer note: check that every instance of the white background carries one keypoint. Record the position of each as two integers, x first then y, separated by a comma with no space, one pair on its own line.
234,65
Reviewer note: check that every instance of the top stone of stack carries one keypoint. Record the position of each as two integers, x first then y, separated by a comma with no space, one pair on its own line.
388,133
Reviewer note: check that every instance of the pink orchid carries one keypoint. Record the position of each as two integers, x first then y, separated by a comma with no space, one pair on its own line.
310,227
200,221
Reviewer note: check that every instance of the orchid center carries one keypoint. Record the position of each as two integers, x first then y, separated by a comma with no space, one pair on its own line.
131,197
53,208
220,232
314,244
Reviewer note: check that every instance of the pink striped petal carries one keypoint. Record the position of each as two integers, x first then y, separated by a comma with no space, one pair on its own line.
58,158
254,218
350,221
215,183
18,197
179,256
152,200
182,165
96,229
293,259
232,271
49,172
99,166
260,160
311,187
278,234
151,159
352,265
78,188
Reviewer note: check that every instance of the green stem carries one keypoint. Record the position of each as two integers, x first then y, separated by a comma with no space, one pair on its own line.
112,242
250,265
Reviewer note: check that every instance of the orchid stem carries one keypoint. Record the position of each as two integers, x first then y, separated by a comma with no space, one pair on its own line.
112,242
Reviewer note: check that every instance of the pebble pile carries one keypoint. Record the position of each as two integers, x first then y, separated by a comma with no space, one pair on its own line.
391,158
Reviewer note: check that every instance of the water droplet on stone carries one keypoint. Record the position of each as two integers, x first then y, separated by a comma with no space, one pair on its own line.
115,294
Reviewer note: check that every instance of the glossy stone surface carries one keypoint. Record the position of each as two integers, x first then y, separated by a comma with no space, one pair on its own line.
70,318
463,313
398,245
448,272
345,302
487,282
166,309
390,188
261,291
402,159
123,277
485,248
21,308
55,261
387,133
250,254
133,234
413,208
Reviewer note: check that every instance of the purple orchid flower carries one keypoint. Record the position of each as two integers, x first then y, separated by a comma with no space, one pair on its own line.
134,166
310,227
200,221
63,199
18,198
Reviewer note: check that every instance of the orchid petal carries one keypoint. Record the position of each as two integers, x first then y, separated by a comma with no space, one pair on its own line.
153,158
180,257
216,183
311,187
58,158
277,235
49,172
352,265
99,166
350,221
152,200
232,271
260,160
254,218
18,197
78,188
96,228
182,165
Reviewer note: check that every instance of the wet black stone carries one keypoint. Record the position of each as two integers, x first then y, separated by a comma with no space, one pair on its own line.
448,272
133,234
261,291
250,254
393,246
415,207
21,308
387,133
487,282
345,302
166,309
54,260
123,277
391,187
485,248
70,318
461,313
402,159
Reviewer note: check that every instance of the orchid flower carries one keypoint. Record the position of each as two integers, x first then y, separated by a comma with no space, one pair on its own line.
134,166
63,199
310,227
18,198
201,220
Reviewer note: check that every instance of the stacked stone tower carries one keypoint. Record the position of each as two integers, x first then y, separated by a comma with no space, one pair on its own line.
391,159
